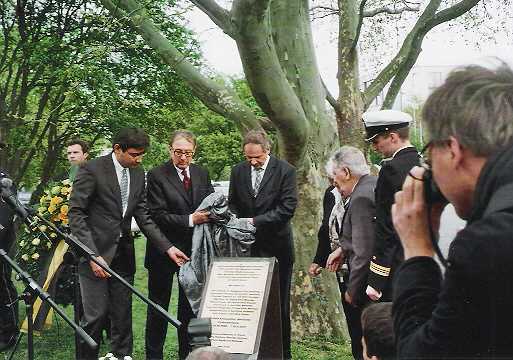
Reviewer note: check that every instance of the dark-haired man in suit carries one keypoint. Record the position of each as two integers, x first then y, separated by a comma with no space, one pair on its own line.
263,189
108,191
175,190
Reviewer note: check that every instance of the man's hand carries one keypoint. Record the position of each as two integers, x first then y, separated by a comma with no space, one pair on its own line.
177,255
97,270
373,294
314,269
348,298
334,260
200,217
410,218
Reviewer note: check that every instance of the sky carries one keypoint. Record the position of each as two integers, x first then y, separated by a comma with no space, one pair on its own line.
439,48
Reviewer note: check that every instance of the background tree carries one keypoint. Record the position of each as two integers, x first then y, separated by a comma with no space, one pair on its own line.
275,45
67,72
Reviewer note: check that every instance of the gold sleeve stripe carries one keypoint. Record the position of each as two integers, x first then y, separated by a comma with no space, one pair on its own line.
380,270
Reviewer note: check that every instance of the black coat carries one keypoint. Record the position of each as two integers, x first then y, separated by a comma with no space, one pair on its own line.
96,214
323,235
468,314
271,210
170,207
388,252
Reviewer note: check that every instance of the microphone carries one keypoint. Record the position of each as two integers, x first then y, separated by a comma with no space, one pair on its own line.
11,199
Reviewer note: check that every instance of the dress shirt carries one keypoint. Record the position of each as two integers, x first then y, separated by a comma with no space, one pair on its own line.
180,175
254,172
119,173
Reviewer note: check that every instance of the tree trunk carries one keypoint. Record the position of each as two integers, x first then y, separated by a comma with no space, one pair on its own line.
350,103
292,95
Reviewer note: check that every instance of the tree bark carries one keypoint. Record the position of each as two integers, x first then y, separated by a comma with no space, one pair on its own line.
350,98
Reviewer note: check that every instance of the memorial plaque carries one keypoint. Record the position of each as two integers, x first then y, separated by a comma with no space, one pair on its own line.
236,298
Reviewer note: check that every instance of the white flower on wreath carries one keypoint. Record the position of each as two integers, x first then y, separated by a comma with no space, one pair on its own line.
35,256
25,257
22,243
36,241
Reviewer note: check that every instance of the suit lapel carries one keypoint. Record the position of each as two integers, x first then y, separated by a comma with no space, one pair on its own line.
246,178
174,179
268,174
194,175
134,183
112,180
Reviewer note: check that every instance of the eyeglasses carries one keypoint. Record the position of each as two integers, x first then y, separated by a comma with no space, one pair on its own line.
179,153
425,161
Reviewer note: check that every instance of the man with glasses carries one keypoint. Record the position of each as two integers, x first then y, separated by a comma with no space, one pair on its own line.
388,131
175,190
468,315
108,191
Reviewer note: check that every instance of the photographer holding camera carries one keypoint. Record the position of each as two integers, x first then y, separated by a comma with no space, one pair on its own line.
469,313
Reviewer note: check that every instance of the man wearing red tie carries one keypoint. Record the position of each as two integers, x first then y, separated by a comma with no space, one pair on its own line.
175,190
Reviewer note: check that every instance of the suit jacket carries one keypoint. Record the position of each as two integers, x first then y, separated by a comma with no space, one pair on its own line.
271,209
357,238
388,252
96,214
170,207
323,235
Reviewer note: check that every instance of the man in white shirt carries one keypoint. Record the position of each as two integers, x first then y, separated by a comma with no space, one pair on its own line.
108,191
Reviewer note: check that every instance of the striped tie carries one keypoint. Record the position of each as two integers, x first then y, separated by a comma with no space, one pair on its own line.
258,180
124,188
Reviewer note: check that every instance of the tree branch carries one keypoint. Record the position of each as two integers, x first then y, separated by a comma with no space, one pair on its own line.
452,12
331,100
401,57
442,16
220,16
216,97
392,9
359,26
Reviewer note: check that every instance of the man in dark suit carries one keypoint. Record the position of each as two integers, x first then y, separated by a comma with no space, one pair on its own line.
108,191
388,131
351,173
323,235
175,190
263,189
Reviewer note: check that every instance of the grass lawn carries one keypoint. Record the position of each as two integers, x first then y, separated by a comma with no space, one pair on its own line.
58,342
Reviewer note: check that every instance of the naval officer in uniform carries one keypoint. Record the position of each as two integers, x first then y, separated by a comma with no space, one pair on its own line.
388,131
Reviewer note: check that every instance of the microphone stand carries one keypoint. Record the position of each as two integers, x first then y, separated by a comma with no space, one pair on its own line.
82,250
32,291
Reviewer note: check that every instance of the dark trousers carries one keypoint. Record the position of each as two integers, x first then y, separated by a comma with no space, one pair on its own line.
102,299
160,284
354,325
285,283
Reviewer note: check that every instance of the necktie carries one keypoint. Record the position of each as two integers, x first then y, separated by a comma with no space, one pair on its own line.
258,180
186,180
124,188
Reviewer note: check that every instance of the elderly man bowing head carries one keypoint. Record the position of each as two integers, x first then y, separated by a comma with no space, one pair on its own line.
350,172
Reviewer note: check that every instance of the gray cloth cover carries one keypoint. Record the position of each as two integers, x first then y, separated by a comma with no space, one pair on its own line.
224,236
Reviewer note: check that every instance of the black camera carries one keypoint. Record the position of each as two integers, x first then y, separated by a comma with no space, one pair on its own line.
432,193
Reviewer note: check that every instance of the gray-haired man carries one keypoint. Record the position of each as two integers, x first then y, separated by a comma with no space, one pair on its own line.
468,315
